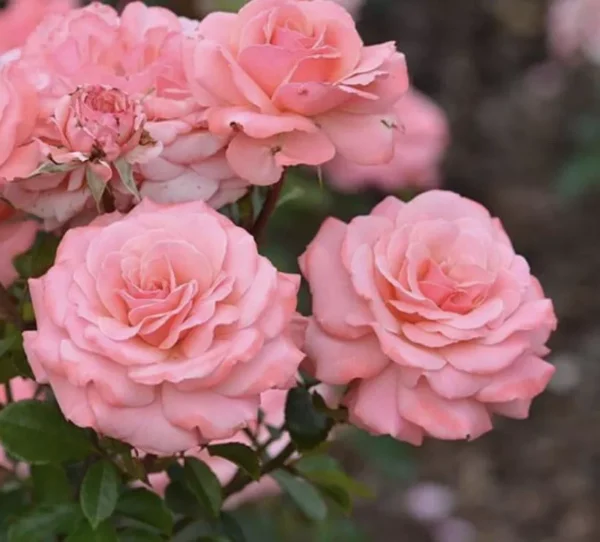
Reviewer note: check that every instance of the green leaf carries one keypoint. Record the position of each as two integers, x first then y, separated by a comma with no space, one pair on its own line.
99,492
96,185
44,521
204,484
39,258
138,535
305,496
180,499
50,484
231,528
36,432
307,426
146,507
105,532
240,454
125,171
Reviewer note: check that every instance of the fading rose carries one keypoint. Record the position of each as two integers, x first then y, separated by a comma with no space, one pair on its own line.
574,27
20,18
16,237
18,113
291,82
427,311
419,148
163,327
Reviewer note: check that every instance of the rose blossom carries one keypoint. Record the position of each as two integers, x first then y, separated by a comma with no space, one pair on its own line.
419,149
16,237
162,328
574,26
291,82
20,18
93,65
426,310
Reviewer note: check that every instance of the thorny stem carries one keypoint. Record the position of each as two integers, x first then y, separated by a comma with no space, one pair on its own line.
269,206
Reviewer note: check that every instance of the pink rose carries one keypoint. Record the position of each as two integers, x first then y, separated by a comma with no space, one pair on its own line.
427,311
16,237
419,149
163,327
87,60
291,82
18,112
574,27
21,389
20,18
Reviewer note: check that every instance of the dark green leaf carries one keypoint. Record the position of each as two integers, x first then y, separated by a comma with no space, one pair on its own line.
338,496
84,532
36,432
231,528
204,484
180,499
99,492
50,484
305,496
240,454
44,521
146,507
307,426
39,258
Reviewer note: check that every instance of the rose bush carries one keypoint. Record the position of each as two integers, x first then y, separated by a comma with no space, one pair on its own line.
162,328
295,85
420,145
426,310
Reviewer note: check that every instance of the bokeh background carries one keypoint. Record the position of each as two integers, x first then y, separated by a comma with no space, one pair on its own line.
525,142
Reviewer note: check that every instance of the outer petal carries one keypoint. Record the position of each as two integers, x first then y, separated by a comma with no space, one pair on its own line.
340,361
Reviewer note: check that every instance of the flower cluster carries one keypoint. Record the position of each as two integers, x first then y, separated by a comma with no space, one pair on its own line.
160,323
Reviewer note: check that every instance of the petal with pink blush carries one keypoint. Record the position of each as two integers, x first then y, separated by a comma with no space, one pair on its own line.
218,26
526,378
73,401
335,301
389,208
478,358
373,406
254,160
213,415
363,139
518,409
403,352
146,428
339,361
273,367
442,418
450,383
306,148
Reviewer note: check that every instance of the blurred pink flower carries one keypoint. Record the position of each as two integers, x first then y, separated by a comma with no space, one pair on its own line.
420,143
291,82
21,17
574,27
16,237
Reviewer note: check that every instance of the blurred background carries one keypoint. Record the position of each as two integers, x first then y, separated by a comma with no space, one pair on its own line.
516,127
